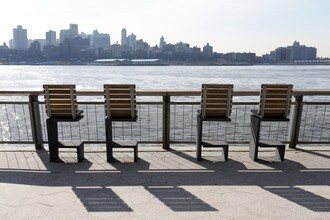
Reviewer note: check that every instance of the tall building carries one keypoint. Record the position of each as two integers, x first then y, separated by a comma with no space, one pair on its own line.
132,41
51,38
161,43
73,30
98,40
123,37
20,40
68,33
64,34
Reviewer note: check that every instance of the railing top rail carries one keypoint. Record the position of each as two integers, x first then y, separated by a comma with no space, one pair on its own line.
172,92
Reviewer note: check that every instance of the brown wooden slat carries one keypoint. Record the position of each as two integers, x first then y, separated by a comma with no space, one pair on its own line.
120,91
275,105
59,96
120,101
59,85
118,113
215,95
276,96
61,101
119,96
216,105
210,86
59,91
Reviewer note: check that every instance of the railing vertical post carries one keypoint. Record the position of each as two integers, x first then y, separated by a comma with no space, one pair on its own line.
166,121
295,123
35,121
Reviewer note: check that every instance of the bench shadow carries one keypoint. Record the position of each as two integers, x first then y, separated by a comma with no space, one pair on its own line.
100,199
179,199
301,197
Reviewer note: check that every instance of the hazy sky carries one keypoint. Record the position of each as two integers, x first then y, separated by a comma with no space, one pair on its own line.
228,25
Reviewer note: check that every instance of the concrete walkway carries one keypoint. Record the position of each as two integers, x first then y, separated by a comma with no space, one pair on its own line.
164,185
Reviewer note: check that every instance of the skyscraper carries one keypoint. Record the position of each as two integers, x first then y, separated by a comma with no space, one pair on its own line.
98,40
132,41
123,37
161,43
69,33
64,34
51,38
73,30
20,40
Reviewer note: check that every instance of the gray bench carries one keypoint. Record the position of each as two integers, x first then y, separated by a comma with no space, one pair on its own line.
61,106
120,106
216,102
275,102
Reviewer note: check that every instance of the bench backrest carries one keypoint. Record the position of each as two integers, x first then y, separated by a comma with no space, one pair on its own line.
275,100
61,101
120,101
216,100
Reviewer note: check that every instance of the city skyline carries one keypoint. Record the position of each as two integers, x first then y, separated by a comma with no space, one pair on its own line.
256,26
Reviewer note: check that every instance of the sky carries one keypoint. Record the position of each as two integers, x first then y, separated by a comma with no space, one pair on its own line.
228,25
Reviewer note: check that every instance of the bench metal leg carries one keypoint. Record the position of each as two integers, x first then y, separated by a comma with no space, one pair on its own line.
80,153
108,132
279,153
199,138
52,132
254,138
225,153
253,149
136,154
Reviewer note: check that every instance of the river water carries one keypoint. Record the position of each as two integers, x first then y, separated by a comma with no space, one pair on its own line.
163,77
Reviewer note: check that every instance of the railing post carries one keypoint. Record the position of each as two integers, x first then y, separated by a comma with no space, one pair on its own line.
295,123
166,121
35,121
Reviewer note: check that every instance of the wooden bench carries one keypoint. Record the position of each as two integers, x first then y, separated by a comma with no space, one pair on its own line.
275,102
61,106
120,105
216,105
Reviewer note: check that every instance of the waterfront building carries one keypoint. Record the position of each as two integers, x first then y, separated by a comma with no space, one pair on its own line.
116,50
124,37
20,40
73,30
132,41
35,49
4,46
296,52
161,43
74,47
11,44
207,49
98,40
300,52
182,47
42,42
240,57
51,38
64,34
68,33
196,49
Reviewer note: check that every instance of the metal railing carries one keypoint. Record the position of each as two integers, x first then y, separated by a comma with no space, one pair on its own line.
165,121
